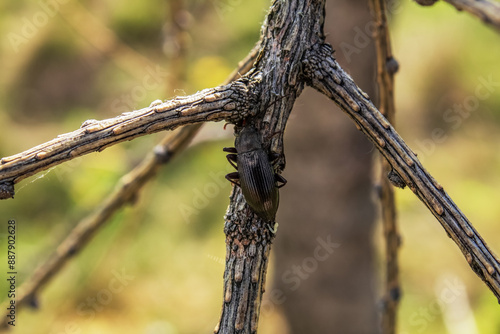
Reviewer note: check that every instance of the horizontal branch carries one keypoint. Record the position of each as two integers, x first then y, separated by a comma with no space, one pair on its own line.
231,102
325,75
487,11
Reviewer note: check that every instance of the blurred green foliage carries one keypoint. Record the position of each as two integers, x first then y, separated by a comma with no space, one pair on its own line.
170,244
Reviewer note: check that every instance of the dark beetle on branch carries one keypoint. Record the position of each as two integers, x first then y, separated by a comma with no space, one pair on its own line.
258,181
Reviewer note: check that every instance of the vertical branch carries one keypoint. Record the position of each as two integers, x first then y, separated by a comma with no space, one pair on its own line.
387,66
248,245
288,33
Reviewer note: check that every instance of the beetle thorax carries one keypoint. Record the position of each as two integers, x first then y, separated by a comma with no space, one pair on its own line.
248,140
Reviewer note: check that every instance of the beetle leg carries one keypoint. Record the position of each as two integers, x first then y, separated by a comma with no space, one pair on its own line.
280,179
232,159
231,177
230,149
273,157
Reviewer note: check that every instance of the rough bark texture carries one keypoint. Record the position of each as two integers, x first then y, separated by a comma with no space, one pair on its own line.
329,194
290,29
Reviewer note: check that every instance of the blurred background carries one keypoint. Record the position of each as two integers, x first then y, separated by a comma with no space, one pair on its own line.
157,266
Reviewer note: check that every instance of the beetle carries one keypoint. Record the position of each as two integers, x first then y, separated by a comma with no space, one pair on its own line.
258,181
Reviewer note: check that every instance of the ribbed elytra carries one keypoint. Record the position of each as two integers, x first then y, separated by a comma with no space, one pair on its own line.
257,179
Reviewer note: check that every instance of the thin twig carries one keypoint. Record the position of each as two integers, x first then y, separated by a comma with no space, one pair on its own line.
386,68
487,11
325,75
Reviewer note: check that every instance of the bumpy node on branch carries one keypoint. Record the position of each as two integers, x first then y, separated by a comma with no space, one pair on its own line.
426,2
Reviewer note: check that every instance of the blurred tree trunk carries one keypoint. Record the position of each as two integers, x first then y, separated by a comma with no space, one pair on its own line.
329,196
